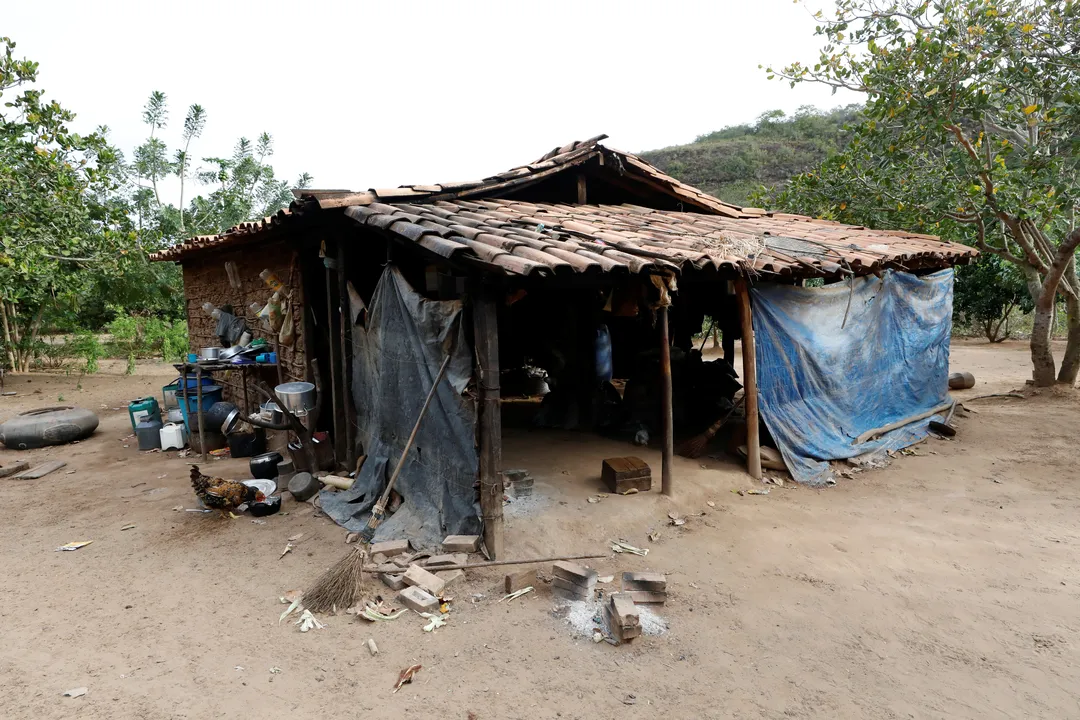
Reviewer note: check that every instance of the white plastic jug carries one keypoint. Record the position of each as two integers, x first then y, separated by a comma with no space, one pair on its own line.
173,436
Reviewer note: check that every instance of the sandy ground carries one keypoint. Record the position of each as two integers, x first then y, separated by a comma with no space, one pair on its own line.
944,586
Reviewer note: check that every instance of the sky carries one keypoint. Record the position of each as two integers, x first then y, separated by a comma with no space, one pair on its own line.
362,94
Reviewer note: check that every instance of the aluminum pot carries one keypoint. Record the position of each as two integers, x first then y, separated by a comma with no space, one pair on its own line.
272,413
209,353
231,352
297,397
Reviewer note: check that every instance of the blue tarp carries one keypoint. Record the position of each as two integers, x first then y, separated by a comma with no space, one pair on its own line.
822,381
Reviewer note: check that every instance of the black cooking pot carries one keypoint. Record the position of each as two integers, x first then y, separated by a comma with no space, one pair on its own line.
264,466
268,507
217,413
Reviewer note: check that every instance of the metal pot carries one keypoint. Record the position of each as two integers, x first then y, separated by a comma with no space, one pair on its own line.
230,421
209,353
231,352
272,413
297,397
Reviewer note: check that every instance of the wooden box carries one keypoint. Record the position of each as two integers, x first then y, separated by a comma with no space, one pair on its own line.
625,473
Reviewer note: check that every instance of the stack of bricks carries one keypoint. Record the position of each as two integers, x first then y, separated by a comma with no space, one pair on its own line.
622,618
645,587
572,581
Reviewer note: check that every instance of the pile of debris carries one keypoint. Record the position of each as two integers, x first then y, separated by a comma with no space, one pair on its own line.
423,577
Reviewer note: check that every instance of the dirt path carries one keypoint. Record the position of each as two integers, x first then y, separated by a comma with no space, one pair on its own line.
944,586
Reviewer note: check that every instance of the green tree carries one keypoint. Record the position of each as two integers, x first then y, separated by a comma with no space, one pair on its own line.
59,215
971,129
987,292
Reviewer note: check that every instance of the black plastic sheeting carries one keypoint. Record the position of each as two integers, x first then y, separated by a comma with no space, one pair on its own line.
398,346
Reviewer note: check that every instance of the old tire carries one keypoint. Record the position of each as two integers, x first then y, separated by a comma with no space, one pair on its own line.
47,426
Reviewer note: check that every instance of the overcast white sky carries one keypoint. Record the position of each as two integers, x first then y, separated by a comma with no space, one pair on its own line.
364,94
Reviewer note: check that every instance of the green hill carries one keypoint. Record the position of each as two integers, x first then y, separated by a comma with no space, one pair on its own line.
732,162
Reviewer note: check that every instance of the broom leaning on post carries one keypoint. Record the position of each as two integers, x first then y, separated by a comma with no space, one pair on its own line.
339,587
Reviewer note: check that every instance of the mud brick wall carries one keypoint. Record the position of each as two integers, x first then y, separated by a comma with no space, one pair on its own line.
205,280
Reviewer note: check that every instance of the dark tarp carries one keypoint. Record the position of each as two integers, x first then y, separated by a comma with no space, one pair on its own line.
822,381
398,346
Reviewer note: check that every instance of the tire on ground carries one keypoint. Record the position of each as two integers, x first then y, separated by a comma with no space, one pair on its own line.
47,426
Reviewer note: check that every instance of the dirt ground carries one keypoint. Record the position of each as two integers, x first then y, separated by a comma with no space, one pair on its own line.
944,586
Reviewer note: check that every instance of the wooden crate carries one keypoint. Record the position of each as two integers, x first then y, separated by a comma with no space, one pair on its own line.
624,473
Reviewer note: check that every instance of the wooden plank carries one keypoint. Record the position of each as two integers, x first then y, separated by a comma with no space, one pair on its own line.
582,196
41,470
13,468
667,433
332,359
486,341
753,442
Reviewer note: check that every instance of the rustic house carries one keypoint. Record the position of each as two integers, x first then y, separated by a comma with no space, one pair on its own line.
585,266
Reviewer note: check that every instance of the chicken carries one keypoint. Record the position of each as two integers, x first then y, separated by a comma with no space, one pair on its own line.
221,494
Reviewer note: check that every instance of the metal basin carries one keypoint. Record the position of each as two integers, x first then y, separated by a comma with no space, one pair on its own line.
209,353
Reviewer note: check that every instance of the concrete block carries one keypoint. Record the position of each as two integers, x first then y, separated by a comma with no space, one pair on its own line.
461,543
394,582
390,548
449,559
449,576
575,573
421,578
650,581
416,599
519,581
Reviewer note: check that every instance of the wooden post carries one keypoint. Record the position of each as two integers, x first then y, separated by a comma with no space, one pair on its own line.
667,431
749,359
335,385
349,412
486,341
582,197
199,410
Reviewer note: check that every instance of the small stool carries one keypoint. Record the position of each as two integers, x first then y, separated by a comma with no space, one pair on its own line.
625,473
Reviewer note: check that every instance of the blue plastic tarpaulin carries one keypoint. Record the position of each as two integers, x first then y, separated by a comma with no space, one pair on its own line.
837,361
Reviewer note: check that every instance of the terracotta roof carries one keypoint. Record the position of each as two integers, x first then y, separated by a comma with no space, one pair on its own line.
522,238
461,220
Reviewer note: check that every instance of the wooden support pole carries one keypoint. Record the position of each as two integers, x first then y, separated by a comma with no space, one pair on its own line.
582,197
199,410
335,380
344,314
749,358
667,431
489,421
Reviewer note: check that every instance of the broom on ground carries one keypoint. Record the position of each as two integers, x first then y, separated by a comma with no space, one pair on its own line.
341,585
696,445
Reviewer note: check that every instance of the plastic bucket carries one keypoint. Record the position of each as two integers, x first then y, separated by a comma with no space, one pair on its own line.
211,394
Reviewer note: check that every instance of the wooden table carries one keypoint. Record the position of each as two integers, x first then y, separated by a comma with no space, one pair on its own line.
185,369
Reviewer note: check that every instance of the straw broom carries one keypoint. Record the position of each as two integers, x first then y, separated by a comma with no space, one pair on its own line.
341,586
696,445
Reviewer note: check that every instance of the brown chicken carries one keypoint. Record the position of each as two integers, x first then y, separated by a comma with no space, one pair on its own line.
221,494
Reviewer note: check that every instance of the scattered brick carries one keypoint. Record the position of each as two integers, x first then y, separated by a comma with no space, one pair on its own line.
575,573
461,543
449,576
421,578
650,581
394,582
450,559
390,548
520,581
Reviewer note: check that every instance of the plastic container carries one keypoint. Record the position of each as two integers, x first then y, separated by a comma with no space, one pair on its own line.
143,409
603,353
149,434
171,393
211,394
173,436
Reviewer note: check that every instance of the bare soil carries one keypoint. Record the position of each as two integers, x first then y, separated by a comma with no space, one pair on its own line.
944,586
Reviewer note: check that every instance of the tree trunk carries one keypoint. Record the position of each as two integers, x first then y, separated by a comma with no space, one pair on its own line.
1042,356
8,345
1070,364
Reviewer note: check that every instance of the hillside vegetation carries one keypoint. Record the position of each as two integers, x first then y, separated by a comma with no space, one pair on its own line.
733,162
